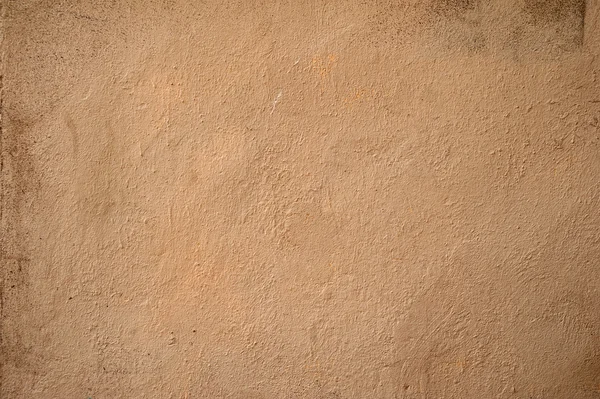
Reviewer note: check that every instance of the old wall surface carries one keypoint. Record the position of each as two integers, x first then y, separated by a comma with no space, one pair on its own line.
300,199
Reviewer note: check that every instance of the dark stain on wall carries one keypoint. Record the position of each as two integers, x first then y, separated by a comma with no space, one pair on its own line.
561,20
545,12
566,16
19,183
540,27
452,8
401,22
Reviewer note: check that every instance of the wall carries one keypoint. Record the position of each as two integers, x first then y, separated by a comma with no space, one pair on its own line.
300,199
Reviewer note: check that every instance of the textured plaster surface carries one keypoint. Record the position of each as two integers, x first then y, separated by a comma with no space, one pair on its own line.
300,199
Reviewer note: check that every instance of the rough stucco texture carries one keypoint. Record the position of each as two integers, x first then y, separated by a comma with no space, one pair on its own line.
300,199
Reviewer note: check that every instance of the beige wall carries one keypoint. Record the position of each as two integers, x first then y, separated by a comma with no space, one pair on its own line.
300,199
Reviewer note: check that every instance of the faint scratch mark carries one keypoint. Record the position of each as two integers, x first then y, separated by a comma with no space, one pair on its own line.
276,102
